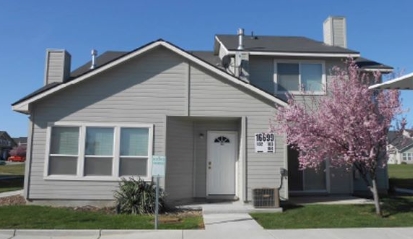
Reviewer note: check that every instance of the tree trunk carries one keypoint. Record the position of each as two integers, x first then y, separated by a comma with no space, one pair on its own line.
376,198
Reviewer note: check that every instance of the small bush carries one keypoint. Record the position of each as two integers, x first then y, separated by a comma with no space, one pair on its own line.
138,197
403,163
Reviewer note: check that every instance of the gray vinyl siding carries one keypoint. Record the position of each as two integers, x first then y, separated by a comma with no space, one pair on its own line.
142,90
202,127
340,181
382,182
179,153
57,66
262,72
212,96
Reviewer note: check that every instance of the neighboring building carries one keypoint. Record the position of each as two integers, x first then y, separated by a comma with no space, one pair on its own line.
400,147
21,141
207,112
6,144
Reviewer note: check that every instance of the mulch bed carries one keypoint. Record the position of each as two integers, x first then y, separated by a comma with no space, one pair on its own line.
12,200
171,216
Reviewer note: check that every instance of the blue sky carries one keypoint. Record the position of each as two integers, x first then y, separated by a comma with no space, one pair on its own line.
380,30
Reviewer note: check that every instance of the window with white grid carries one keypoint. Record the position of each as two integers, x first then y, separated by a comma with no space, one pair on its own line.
100,151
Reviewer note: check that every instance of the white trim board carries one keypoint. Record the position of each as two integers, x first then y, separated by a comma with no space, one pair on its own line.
264,53
24,105
396,83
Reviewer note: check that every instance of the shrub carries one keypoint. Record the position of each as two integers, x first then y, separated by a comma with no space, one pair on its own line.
138,197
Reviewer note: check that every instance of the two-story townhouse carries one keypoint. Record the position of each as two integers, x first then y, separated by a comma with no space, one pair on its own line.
208,113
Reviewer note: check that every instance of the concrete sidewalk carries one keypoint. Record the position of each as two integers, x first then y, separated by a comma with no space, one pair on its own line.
11,193
239,233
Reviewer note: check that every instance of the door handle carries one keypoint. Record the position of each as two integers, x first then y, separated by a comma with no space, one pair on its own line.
209,164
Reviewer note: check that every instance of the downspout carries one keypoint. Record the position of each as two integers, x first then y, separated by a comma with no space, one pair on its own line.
244,158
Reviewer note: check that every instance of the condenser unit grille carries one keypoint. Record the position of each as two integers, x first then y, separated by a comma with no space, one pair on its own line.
265,197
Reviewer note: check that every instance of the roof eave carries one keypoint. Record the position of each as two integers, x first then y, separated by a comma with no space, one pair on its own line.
303,54
403,82
21,108
382,70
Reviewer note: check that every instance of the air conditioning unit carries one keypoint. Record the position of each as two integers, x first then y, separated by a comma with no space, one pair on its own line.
265,198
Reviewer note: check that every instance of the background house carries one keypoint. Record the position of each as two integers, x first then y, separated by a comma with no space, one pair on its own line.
21,141
6,144
208,112
400,147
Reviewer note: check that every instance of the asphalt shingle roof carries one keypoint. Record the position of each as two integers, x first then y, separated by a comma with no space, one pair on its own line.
281,44
364,63
257,43
400,142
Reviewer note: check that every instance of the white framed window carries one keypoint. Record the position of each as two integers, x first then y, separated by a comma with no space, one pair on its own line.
407,156
299,77
80,151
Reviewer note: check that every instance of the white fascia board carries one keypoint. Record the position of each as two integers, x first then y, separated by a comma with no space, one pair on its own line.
379,70
222,45
392,84
23,106
260,53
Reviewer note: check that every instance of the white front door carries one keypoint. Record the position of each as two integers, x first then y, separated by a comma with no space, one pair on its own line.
221,158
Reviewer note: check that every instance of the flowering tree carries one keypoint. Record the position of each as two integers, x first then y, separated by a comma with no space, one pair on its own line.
348,127
18,151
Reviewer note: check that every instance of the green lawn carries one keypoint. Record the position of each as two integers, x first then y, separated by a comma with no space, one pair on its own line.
40,217
398,212
401,175
14,169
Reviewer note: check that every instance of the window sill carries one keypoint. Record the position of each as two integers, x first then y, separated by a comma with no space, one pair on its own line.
92,178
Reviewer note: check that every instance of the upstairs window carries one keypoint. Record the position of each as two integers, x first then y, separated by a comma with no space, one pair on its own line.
299,77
